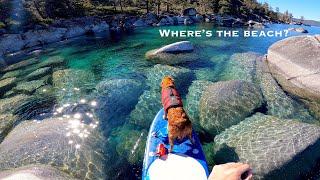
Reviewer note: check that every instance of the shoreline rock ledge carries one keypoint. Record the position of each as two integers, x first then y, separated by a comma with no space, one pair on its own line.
295,64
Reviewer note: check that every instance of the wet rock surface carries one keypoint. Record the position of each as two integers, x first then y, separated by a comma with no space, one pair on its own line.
57,142
295,63
279,104
275,148
227,103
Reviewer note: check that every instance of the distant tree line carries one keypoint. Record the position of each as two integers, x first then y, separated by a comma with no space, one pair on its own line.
47,10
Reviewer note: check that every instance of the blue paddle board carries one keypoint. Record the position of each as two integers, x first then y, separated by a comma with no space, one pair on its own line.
186,161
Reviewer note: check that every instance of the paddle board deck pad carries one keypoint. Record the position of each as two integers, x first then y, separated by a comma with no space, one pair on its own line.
186,161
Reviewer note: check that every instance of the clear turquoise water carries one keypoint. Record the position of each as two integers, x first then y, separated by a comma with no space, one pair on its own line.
124,58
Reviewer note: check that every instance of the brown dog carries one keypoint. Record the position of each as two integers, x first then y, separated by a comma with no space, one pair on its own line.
179,125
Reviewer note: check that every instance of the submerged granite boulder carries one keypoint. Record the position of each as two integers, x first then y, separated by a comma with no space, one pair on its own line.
72,84
52,61
28,87
10,104
193,100
21,64
35,172
242,66
35,106
130,143
13,74
7,121
7,84
147,107
279,104
68,144
295,63
174,53
182,77
275,148
116,98
227,103
39,73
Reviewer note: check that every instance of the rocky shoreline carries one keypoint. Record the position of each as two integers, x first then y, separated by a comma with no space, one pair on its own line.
62,29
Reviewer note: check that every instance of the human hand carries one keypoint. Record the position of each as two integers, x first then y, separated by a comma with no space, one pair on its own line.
230,171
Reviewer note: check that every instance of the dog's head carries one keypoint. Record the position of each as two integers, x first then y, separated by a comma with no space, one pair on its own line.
167,81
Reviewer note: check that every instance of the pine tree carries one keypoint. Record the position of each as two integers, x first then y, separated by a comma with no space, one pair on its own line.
225,7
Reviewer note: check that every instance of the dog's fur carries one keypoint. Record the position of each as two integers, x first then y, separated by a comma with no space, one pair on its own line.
179,125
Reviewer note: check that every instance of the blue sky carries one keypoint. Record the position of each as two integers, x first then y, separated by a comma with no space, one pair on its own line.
310,9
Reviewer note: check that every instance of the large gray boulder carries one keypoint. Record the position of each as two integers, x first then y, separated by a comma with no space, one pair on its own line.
278,103
140,23
38,37
275,148
75,31
101,28
189,12
177,47
227,103
242,66
175,53
295,63
116,98
151,18
34,172
66,143
193,100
